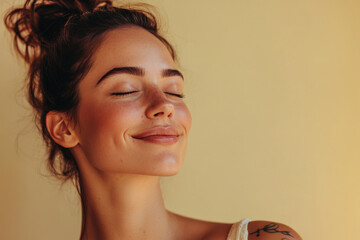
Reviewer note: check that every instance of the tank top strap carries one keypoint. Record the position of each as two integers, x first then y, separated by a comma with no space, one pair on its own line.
239,230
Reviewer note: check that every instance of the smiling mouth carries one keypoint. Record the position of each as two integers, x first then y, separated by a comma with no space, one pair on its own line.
159,135
165,139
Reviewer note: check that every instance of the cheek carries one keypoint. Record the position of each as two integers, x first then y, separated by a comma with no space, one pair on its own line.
106,122
184,116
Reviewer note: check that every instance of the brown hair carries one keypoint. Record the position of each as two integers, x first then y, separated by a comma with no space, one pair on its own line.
57,39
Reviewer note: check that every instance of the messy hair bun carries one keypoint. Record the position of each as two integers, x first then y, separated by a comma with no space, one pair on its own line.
57,39
39,23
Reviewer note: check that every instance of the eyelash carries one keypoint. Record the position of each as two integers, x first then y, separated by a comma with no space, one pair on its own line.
123,93
176,95
127,93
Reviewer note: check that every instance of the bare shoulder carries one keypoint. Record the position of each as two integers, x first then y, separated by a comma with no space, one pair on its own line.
265,230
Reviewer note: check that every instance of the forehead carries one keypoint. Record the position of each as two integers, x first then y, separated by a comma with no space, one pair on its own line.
132,46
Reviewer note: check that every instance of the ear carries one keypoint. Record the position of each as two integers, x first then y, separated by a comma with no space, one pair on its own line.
59,129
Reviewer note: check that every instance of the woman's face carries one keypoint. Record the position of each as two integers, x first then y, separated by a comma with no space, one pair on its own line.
131,117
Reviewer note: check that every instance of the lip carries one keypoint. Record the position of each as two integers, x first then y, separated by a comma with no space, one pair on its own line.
159,134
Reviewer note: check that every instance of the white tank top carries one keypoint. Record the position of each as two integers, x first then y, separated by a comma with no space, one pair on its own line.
239,230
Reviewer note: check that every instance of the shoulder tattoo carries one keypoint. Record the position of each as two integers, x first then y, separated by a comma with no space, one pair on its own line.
272,228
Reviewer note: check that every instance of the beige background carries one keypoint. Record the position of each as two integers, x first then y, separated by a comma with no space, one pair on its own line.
274,90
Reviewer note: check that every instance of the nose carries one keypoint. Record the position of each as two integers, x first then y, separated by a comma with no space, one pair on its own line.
160,107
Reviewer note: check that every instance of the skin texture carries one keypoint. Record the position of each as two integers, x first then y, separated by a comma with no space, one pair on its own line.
132,127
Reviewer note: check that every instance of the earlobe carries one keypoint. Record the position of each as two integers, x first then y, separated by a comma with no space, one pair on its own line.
60,130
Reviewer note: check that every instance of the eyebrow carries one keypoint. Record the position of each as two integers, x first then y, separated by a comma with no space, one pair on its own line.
137,71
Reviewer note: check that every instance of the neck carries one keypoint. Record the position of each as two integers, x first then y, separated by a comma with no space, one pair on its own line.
124,207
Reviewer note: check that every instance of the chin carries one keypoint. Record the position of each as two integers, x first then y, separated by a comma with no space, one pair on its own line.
163,163
169,173
169,167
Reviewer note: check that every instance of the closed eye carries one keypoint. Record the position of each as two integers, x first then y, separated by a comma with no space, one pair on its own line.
175,94
123,93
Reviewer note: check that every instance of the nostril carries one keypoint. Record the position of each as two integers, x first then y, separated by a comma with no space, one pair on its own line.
162,113
158,114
